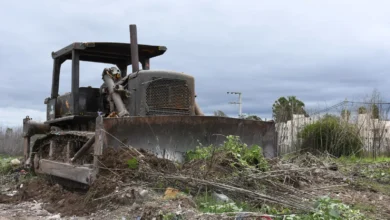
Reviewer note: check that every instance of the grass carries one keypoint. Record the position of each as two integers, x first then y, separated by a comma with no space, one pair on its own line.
208,204
355,159
370,174
5,164
365,184
365,207
325,208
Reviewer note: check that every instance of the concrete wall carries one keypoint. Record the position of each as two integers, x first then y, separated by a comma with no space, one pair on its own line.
288,141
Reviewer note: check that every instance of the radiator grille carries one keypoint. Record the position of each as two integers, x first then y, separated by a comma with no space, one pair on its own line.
168,97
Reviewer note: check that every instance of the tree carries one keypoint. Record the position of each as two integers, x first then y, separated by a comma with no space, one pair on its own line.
220,113
362,110
345,114
375,112
252,117
284,108
8,132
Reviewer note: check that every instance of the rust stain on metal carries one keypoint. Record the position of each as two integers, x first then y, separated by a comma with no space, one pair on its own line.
183,133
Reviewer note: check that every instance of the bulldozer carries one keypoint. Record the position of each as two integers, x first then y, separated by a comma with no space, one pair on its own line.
153,110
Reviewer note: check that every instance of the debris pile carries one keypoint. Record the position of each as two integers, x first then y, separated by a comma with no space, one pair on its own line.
216,181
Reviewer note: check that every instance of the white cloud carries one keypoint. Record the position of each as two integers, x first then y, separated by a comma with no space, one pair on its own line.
318,50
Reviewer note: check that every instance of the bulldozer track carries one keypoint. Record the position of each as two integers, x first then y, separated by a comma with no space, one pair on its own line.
41,150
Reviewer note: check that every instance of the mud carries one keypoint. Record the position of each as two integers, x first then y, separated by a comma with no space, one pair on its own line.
119,190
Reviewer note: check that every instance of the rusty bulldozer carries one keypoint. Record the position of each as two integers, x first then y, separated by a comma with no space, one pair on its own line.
147,109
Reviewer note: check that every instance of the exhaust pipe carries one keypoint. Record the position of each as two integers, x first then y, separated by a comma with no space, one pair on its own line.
31,128
134,48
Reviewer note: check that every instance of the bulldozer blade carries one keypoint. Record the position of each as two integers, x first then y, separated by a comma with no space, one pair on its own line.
171,137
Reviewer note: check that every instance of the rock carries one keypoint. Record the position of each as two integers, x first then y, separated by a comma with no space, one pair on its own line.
36,207
15,162
317,171
333,167
301,184
143,193
58,216
61,202
41,213
220,197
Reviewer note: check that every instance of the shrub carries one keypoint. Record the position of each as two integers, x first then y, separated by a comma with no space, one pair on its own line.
246,156
332,135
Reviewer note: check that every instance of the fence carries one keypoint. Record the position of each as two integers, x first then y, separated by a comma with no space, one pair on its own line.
369,120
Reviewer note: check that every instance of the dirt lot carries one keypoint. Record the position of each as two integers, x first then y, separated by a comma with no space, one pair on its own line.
160,189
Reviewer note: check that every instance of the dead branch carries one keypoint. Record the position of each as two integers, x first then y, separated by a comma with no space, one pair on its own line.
249,193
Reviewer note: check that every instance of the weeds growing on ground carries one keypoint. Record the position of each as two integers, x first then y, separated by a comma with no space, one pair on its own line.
5,164
356,159
246,156
332,135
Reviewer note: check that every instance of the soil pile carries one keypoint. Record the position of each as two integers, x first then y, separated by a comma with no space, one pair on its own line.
139,181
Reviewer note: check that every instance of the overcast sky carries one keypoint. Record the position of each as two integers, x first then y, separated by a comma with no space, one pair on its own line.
320,51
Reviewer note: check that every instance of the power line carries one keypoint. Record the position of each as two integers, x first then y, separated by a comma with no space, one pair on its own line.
329,108
345,102
371,103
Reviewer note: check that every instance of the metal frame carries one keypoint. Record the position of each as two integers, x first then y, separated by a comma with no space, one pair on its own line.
94,52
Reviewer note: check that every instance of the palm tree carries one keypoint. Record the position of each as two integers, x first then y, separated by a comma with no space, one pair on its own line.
284,108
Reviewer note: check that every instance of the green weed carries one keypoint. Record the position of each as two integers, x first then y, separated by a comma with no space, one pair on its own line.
133,163
5,164
246,156
356,159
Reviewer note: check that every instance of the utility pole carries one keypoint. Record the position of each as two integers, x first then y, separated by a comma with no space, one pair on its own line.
239,102
292,124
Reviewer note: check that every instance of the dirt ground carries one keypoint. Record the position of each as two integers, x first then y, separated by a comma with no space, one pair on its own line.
121,192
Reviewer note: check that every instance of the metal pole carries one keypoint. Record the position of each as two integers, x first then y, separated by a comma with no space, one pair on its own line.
239,102
292,124
134,48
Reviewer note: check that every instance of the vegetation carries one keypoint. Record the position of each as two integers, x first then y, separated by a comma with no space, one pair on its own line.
375,112
220,113
11,141
345,114
5,164
247,117
362,110
209,204
324,208
284,108
328,208
331,135
133,163
245,155
354,159
252,117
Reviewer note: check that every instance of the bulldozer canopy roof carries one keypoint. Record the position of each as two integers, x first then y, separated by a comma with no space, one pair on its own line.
108,52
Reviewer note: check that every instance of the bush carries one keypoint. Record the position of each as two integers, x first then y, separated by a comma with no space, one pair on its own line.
332,135
5,164
246,156
327,208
